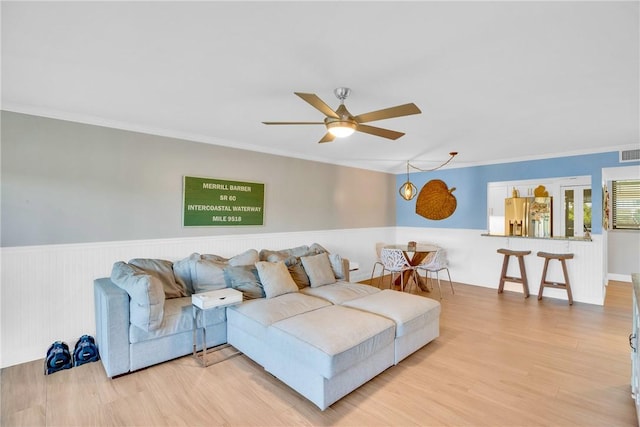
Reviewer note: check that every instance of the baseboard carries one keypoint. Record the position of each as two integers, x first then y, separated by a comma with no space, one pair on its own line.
619,277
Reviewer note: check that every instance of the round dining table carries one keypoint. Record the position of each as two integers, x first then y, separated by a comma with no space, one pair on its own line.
415,254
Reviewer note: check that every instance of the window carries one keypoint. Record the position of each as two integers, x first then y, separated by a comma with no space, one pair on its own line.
626,204
577,210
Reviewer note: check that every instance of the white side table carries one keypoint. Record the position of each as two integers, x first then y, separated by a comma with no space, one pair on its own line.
207,302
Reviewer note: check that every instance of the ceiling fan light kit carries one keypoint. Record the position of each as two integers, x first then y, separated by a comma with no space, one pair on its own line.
341,123
341,128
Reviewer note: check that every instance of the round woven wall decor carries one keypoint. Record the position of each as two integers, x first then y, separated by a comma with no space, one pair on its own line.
435,200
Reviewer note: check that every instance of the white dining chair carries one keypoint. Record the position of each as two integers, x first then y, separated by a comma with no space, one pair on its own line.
396,262
379,246
436,264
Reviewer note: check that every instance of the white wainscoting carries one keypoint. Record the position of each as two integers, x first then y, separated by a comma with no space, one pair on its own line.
473,259
47,291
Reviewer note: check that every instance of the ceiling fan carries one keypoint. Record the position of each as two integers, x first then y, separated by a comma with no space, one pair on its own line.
341,123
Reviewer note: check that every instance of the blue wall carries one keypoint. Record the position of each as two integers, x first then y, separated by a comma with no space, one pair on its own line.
471,187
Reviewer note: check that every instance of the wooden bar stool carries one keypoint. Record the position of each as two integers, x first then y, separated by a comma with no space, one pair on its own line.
544,282
523,272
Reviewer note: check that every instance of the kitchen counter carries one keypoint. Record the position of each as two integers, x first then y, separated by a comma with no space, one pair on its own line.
585,269
577,239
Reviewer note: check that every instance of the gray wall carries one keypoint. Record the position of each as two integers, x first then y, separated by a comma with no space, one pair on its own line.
623,252
65,182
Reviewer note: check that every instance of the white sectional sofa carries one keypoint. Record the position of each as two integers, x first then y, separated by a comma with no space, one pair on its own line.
303,321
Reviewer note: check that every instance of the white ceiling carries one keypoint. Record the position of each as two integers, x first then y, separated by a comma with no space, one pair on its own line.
496,81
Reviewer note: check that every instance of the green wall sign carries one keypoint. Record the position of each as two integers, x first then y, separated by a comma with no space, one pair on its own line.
214,202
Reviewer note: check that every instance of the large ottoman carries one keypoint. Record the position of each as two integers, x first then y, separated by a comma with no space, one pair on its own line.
322,351
327,353
417,318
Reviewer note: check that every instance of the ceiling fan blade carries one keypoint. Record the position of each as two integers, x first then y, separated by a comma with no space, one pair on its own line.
293,123
328,137
385,133
387,113
318,104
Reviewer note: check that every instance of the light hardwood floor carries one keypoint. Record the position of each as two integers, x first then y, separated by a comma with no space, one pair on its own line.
500,360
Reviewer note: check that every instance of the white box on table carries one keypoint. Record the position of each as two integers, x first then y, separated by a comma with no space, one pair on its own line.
217,298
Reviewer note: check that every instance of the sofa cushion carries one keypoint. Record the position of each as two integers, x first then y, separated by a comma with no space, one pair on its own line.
245,279
323,341
256,315
275,278
409,312
208,274
337,266
317,248
339,292
163,270
207,271
248,257
318,268
145,292
182,270
281,255
213,257
178,317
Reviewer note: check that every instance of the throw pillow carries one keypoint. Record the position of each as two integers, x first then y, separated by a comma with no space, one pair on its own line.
147,296
163,270
318,268
281,255
298,251
272,256
275,278
249,257
182,271
337,266
212,257
316,248
245,279
296,270
208,274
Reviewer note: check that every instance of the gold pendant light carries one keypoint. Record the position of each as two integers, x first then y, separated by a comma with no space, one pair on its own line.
408,191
